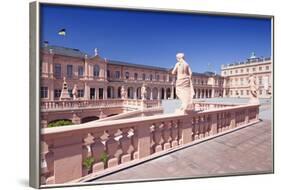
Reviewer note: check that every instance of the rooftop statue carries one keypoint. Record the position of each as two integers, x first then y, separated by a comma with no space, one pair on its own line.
253,90
184,87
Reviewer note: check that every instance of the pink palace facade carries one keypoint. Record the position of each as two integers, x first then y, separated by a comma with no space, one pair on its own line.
99,78
99,81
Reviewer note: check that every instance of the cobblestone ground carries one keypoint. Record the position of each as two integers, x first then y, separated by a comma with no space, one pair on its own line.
248,150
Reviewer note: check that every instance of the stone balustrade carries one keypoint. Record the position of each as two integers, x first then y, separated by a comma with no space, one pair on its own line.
75,104
119,143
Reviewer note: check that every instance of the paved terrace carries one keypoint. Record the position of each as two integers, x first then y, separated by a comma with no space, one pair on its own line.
248,150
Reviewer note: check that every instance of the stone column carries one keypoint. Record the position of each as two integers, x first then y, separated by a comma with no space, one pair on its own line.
51,64
51,90
172,93
86,73
67,158
213,93
135,93
87,91
165,94
158,95
96,93
104,93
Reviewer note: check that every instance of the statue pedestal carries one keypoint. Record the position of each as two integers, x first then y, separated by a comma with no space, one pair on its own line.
188,110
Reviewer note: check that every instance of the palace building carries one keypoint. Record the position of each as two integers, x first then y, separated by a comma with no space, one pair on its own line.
100,78
237,75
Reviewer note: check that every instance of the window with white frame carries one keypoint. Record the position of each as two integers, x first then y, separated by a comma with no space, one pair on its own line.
57,71
80,71
57,93
44,92
80,93
96,70
69,70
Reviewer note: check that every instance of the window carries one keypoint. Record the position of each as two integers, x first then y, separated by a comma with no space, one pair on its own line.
241,92
241,71
57,93
267,67
230,72
143,76
247,70
157,77
127,75
241,81
151,77
44,92
260,68
224,72
254,69
70,93
80,71
117,74
247,92
108,73
164,78
236,71
230,92
96,70
136,76
80,92
69,69
58,71
236,81
260,80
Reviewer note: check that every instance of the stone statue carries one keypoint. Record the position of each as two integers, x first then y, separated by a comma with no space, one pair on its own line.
123,92
253,90
143,92
74,92
184,87
64,92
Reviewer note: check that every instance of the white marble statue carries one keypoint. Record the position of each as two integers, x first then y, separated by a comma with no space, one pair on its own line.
74,92
253,90
143,92
184,87
123,92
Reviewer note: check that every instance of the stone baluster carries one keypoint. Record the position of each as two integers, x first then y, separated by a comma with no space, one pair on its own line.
214,125
175,134
126,145
157,137
167,135
247,116
196,128
111,147
98,149
232,120
201,127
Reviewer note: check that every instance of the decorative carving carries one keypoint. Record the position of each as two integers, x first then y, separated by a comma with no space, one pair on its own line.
253,90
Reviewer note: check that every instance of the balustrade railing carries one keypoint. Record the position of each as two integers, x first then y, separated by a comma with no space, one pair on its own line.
71,104
114,144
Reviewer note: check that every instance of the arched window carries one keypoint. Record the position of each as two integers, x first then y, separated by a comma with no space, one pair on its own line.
127,75
151,77
143,76
136,76
96,70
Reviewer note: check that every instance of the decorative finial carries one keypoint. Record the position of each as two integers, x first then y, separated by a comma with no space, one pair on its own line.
96,51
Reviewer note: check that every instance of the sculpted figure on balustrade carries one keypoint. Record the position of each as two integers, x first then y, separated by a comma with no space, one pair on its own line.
253,90
184,87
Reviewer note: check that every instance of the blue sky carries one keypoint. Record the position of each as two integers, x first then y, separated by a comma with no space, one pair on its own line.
154,38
